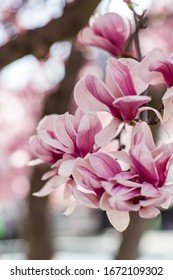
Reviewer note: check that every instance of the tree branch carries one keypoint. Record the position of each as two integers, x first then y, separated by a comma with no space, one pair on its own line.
58,102
38,41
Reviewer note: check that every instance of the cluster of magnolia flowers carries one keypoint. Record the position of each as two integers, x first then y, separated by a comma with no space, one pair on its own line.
78,148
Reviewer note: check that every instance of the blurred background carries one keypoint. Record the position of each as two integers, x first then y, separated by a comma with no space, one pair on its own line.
41,58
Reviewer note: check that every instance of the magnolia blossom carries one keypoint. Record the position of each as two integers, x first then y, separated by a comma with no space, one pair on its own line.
61,139
119,95
108,32
155,68
91,173
143,186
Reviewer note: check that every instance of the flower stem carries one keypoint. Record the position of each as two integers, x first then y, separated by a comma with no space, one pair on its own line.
138,23
136,36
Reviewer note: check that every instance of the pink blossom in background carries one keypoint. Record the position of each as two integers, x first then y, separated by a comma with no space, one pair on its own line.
127,1
163,8
18,117
108,32
119,95
21,102
159,31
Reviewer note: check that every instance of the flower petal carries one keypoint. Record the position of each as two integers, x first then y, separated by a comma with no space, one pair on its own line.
119,219
168,104
151,77
48,174
129,106
162,161
165,67
149,190
89,126
149,212
146,134
122,76
104,165
61,132
71,208
87,199
144,163
154,201
66,168
121,205
133,66
122,156
104,136
85,100
50,185
96,87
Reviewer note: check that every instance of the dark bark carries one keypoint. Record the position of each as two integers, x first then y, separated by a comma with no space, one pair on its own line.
58,101
131,237
38,41
38,230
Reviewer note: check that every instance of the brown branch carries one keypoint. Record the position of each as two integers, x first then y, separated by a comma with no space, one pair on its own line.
38,41
58,102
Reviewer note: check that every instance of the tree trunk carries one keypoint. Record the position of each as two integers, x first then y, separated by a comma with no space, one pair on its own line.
38,230
131,237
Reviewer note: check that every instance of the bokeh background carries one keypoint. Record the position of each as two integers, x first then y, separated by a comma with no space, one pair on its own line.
41,59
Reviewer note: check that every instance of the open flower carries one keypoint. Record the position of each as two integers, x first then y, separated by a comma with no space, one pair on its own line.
61,139
108,32
120,95
157,67
144,186
91,174
151,163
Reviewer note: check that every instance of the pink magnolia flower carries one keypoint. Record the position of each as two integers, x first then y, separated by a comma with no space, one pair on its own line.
143,186
109,32
146,186
61,139
91,173
119,95
157,67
